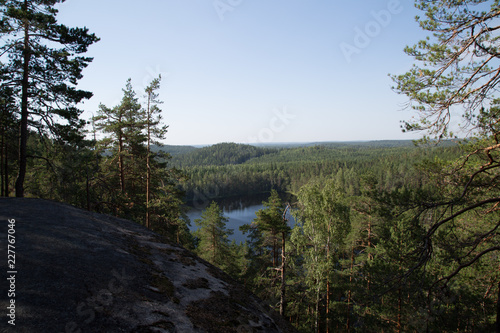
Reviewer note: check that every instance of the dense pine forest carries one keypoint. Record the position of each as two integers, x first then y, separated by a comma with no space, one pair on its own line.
352,261
229,169
388,236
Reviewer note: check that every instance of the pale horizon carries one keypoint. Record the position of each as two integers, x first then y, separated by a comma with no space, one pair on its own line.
281,71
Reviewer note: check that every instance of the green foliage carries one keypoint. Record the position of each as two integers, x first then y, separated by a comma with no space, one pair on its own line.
173,150
124,143
155,129
355,258
456,72
287,170
220,154
133,181
9,143
43,67
458,65
60,171
323,223
388,236
267,232
213,244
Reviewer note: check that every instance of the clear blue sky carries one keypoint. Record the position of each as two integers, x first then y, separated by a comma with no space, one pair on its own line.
254,71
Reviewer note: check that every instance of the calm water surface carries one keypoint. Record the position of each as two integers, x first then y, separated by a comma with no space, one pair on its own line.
239,211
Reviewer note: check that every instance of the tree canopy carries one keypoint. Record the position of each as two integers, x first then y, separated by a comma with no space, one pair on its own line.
456,74
41,62
456,69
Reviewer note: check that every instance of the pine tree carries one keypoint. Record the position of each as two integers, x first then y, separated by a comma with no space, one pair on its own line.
46,76
456,69
213,237
61,171
269,232
124,125
133,150
154,131
270,221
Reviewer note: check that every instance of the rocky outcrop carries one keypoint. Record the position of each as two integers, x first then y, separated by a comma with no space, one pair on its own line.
77,271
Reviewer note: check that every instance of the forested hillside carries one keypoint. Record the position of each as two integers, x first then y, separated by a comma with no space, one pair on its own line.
388,236
173,150
220,154
346,263
288,169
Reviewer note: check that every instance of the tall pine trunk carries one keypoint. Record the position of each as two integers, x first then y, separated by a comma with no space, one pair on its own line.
316,315
283,276
121,164
328,283
283,260
87,187
370,255
148,166
214,243
23,130
148,180
3,165
349,293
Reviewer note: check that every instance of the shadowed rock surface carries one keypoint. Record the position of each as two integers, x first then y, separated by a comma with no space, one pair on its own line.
79,271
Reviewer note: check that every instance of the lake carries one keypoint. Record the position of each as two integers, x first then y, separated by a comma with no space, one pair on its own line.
239,211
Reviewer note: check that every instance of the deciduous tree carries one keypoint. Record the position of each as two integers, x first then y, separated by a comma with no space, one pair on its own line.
324,223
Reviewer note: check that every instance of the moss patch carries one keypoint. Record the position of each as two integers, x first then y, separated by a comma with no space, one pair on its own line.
141,252
163,284
215,314
199,283
186,258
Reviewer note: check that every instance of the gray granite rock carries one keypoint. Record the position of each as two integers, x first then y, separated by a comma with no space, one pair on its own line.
77,271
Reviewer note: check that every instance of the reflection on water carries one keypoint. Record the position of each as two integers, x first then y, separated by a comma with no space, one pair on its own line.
239,211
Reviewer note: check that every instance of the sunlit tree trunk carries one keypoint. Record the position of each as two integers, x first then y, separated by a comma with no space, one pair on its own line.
214,244
370,255
283,276
283,264
328,282
148,166
316,315
121,164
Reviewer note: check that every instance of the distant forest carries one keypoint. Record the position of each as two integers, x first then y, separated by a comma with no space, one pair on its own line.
229,169
389,236
351,263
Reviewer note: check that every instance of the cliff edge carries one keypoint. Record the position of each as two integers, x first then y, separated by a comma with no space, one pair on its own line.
68,270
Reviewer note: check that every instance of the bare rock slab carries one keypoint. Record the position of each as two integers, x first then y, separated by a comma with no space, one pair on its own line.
76,271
